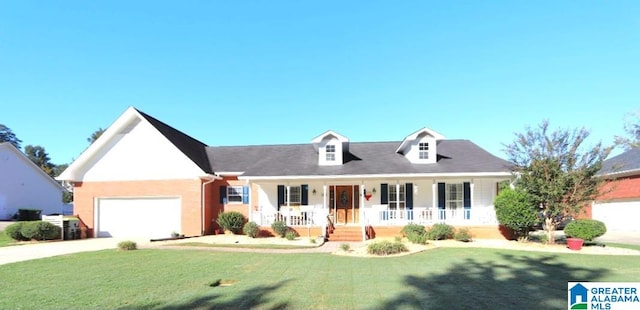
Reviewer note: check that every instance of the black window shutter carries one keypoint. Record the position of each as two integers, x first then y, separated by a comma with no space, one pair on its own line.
280,196
304,196
409,195
384,194
223,194
441,196
467,198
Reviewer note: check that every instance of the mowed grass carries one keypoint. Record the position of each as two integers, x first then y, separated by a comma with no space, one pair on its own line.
5,240
202,279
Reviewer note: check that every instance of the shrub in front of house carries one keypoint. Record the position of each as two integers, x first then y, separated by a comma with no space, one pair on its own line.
232,221
585,229
251,229
39,230
127,245
463,234
46,231
14,231
415,233
280,228
386,247
290,234
440,232
516,210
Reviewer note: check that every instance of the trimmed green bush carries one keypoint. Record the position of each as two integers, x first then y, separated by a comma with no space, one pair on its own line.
280,228
14,231
463,234
386,247
516,210
415,233
251,229
585,229
45,231
290,234
127,245
345,247
232,221
440,232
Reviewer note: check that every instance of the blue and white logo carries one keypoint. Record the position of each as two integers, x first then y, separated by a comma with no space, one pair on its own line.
603,295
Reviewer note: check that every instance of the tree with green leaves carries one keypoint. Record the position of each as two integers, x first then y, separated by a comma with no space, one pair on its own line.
557,170
7,135
632,130
95,135
38,155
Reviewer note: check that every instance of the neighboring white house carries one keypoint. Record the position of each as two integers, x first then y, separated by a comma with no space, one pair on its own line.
23,185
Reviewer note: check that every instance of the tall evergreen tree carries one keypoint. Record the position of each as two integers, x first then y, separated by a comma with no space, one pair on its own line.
7,135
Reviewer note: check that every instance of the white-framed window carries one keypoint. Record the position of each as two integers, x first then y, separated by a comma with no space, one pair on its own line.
423,150
396,198
234,194
454,196
294,196
330,152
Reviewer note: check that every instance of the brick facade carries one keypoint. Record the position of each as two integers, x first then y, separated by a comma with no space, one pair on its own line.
188,190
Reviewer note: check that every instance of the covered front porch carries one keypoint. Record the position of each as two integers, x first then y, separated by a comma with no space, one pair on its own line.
370,204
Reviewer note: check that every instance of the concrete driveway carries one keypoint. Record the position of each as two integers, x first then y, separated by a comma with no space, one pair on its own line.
626,237
18,253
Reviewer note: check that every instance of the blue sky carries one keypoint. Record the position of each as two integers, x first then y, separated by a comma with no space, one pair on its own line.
272,72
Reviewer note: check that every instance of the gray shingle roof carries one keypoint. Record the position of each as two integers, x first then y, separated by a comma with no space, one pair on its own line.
366,158
628,161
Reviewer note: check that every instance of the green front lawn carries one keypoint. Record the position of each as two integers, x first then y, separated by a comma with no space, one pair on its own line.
5,240
202,279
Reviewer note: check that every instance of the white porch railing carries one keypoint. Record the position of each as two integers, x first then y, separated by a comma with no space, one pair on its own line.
313,217
429,216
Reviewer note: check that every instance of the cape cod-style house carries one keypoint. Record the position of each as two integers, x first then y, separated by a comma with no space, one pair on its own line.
143,178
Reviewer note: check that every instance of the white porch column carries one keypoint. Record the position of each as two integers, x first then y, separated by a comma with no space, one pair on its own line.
362,219
471,210
434,197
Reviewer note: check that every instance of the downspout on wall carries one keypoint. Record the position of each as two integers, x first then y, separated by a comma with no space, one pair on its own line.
210,179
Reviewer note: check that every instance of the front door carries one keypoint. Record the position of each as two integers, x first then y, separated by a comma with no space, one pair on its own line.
346,204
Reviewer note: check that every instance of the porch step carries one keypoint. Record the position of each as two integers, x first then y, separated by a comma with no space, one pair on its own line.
346,233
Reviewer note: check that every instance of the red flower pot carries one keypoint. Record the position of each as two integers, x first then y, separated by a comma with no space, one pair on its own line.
574,243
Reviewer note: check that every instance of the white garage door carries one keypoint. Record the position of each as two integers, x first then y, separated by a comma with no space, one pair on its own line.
618,215
138,217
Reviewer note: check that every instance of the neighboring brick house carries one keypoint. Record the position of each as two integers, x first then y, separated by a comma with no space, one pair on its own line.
143,178
619,207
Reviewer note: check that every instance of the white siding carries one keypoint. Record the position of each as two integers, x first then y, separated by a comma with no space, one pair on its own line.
23,186
141,154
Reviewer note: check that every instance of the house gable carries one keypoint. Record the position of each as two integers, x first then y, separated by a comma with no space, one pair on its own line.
24,185
421,146
133,148
332,148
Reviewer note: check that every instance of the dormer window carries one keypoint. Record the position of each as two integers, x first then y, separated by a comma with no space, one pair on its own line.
421,146
330,152
423,150
331,148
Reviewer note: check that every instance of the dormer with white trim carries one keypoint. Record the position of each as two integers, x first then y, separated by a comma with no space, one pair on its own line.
421,146
331,148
